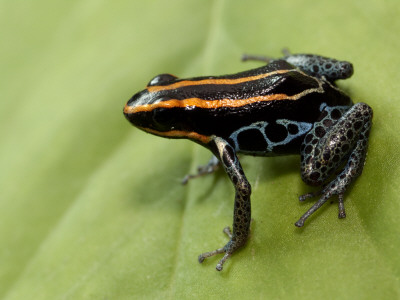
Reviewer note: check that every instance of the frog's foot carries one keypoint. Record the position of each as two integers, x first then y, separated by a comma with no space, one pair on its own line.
325,196
228,249
286,52
209,168
309,195
266,59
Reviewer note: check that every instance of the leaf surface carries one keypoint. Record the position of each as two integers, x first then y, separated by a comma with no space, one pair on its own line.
93,208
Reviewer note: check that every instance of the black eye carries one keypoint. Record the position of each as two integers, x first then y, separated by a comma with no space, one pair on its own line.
162,79
163,119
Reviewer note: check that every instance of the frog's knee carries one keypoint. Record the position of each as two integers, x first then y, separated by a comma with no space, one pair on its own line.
364,108
312,176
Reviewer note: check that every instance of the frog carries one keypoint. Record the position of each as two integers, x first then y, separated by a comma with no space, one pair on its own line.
289,106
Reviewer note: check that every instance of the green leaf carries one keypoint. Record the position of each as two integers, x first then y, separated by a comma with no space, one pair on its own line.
91,207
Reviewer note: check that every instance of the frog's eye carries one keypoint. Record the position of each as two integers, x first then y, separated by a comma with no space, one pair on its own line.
162,79
162,118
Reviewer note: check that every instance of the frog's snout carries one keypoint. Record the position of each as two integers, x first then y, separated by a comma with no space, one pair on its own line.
133,108
138,99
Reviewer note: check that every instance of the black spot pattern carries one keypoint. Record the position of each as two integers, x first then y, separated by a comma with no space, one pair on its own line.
242,207
353,129
268,138
319,131
293,129
276,132
319,66
335,114
344,130
251,140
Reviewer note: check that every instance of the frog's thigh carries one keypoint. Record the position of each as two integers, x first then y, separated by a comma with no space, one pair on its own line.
331,141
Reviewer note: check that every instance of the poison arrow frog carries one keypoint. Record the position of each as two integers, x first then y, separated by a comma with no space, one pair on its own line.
288,106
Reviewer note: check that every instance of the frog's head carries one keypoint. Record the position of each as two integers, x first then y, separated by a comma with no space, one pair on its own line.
147,111
157,110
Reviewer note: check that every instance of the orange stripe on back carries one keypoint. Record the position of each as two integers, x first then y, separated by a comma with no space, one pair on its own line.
216,81
207,104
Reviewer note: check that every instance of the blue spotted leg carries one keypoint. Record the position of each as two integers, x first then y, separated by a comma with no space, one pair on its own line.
340,137
314,65
242,208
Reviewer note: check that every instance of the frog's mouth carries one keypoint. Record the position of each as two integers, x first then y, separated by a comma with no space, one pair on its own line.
179,134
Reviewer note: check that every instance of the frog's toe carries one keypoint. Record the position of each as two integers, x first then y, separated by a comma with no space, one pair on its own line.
342,212
325,196
220,264
209,168
313,208
309,195
228,249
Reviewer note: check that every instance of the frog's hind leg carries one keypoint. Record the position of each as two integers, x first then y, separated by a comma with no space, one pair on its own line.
210,167
340,137
315,65
320,66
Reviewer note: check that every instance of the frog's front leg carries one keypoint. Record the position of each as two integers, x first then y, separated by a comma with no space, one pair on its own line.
341,135
242,208
209,168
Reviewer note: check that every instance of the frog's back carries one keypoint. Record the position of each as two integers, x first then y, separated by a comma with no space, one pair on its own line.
273,94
